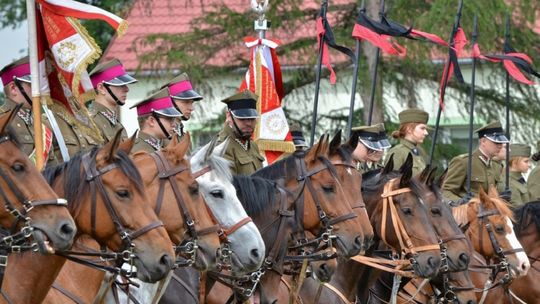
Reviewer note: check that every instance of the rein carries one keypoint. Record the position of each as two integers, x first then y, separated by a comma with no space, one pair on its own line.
19,241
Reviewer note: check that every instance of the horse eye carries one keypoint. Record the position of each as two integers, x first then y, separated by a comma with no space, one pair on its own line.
217,194
328,188
407,211
17,167
499,229
194,189
436,211
122,193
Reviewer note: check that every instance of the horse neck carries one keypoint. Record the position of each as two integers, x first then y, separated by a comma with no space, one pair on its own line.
529,238
347,276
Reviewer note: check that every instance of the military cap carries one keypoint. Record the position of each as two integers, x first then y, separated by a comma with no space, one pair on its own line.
520,150
242,105
180,88
19,69
369,136
159,102
112,73
297,135
383,138
413,115
494,132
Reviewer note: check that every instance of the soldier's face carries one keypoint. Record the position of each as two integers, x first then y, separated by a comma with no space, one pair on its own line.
185,106
15,94
489,147
418,133
247,126
523,164
120,92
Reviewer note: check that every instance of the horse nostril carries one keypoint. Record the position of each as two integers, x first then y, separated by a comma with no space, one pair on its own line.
464,258
471,302
255,253
167,261
432,262
358,241
67,229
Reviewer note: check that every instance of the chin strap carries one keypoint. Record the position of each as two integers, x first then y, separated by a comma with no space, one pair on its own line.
237,129
178,109
165,132
21,89
107,87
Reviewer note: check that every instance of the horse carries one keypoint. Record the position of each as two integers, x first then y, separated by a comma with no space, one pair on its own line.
31,208
376,187
103,186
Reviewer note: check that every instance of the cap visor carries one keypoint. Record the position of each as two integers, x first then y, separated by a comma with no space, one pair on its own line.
300,143
187,95
121,80
169,112
245,113
25,78
385,144
373,145
498,138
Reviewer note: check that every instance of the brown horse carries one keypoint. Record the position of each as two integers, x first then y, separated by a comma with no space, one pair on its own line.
172,204
106,200
30,205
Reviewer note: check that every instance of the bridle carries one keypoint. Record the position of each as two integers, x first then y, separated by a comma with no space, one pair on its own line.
189,247
127,254
19,241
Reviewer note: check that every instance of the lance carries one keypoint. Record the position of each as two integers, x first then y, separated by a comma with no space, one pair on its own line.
355,77
445,74
507,168
324,8
374,75
471,109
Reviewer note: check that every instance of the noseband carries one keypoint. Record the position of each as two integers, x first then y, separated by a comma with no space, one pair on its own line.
18,241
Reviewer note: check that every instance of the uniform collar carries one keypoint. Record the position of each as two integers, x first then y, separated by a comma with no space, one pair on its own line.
410,145
517,176
483,157
152,141
112,116
229,132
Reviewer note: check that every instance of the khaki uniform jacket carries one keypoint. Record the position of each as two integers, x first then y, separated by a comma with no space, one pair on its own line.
518,186
483,175
146,143
107,121
533,183
402,150
24,131
244,162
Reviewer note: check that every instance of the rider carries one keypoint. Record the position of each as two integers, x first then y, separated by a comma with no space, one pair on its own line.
369,143
183,95
484,172
411,133
300,144
17,89
110,81
241,118
520,162
156,115
533,181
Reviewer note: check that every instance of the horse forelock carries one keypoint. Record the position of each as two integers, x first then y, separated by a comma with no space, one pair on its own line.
460,214
501,205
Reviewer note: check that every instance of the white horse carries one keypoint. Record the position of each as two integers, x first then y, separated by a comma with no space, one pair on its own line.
245,244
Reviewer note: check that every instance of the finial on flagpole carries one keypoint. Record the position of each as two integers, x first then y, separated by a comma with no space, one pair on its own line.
261,24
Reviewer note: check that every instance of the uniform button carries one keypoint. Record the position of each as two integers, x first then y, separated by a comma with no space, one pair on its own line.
19,125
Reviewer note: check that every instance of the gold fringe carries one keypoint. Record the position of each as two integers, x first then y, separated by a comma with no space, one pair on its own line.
87,96
89,129
275,145
122,28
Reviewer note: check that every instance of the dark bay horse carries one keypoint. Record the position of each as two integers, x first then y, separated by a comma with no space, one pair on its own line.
30,206
104,190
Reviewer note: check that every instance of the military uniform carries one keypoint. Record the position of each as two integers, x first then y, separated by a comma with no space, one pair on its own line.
517,183
533,181
107,121
147,143
23,126
402,150
373,138
245,158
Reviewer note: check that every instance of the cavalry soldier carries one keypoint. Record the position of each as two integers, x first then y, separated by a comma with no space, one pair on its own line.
156,115
241,117
533,182
411,134
110,81
485,172
298,137
519,163
183,95
17,89
369,143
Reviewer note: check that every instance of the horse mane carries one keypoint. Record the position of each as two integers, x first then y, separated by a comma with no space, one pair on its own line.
283,168
460,212
75,186
13,136
532,208
257,195
219,165
372,181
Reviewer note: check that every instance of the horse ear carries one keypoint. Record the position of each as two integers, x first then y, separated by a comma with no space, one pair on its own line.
431,176
127,145
389,167
440,180
317,148
210,148
406,172
492,192
183,145
7,118
424,175
325,147
335,142
109,149
482,195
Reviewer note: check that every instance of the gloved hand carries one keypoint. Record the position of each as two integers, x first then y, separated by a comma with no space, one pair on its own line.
506,195
462,201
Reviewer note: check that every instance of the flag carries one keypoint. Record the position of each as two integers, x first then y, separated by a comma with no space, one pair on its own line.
516,64
264,79
325,33
451,67
70,44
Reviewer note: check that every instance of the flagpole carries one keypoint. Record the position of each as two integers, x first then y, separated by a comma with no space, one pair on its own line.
374,76
471,109
355,78
507,168
34,72
324,7
445,75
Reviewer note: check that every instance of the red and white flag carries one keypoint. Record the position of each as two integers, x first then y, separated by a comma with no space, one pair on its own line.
264,79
